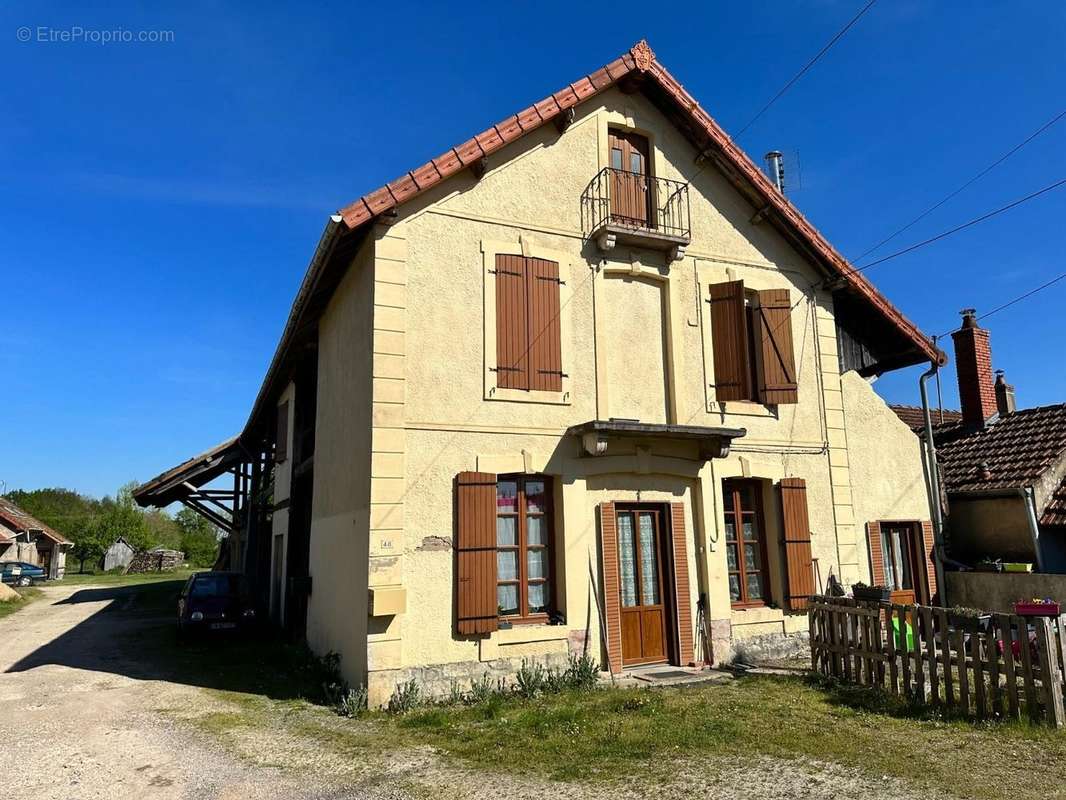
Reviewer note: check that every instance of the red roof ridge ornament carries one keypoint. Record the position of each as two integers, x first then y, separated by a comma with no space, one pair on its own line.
643,55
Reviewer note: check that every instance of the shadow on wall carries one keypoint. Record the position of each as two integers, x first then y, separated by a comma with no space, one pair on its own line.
135,635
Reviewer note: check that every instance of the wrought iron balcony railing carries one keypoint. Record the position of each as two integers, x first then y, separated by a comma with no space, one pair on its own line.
636,209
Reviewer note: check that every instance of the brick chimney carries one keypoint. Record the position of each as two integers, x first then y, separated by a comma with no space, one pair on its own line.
973,362
1004,395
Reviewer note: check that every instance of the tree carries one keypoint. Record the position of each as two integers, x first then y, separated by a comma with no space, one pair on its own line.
199,538
121,517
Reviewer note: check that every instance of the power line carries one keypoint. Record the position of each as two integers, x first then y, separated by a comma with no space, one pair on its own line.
1017,299
972,180
808,65
957,228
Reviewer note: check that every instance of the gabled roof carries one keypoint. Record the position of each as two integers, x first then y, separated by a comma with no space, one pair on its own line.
20,522
1017,449
914,418
636,70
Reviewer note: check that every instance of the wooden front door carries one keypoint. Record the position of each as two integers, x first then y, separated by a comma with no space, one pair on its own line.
640,580
901,550
630,185
45,557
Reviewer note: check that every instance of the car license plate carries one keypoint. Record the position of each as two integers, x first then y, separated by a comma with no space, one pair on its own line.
222,626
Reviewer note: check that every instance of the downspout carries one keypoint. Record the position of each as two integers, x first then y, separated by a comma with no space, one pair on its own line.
932,484
1034,528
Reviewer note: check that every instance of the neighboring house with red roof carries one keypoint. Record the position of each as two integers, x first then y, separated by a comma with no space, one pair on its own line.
1003,470
586,383
25,538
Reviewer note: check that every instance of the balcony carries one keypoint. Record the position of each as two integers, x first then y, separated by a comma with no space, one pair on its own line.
637,210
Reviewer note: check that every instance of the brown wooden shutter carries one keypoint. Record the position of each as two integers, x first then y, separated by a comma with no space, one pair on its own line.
512,328
877,554
796,527
775,360
929,550
281,444
729,341
612,607
685,639
545,349
475,546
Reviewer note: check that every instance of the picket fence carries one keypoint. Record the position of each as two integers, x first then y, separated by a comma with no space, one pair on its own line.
1015,667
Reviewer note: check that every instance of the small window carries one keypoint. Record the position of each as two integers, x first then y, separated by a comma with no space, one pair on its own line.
523,547
744,543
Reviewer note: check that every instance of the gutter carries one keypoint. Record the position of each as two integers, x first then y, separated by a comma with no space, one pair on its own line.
932,484
1029,498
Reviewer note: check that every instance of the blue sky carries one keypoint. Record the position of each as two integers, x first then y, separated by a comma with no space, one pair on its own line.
160,201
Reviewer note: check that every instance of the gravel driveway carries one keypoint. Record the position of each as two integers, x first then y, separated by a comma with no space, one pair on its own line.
79,710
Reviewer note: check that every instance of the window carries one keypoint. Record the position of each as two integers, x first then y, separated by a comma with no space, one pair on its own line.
528,330
523,547
897,552
751,339
744,543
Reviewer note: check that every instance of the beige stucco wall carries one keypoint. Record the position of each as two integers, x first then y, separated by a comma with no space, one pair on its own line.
886,461
635,344
336,614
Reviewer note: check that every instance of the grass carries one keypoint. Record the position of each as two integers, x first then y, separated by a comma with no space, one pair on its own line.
645,734
27,594
118,579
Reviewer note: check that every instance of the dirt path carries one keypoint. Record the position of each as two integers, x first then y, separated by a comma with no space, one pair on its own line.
79,713
96,702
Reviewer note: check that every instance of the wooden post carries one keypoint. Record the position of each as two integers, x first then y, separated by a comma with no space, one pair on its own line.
1003,623
930,646
1049,669
964,679
890,649
978,676
879,648
812,634
919,669
1032,705
1060,628
945,656
992,655
905,651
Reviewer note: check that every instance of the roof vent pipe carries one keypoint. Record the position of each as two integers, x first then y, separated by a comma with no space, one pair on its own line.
775,166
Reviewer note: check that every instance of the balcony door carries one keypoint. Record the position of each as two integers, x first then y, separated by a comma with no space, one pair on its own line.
630,183
640,566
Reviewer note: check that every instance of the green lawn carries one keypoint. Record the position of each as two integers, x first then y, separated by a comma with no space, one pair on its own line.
643,734
27,595
118,579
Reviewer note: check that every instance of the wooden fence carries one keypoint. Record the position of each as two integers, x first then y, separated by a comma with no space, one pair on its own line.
1015,667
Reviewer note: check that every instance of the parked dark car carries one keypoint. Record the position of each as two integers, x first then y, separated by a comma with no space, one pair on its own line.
21,573
215,601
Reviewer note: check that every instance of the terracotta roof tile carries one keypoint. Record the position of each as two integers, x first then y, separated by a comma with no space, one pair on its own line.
914,419
1017,449
1055,511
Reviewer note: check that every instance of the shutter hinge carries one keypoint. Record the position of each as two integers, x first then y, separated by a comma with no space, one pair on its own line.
505,272
558,372
553,280
506,369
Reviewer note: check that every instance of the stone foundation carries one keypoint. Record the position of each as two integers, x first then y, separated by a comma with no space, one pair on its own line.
437,680
773,646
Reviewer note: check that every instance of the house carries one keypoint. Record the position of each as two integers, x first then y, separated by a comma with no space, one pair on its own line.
1003,469
588,382
118,555
24,538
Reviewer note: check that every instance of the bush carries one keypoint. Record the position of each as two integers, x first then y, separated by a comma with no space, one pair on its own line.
529,680
582,673
405,698
352,703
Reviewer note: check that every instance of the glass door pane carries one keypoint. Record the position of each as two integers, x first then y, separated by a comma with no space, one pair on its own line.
627,565
649,562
